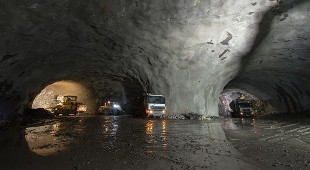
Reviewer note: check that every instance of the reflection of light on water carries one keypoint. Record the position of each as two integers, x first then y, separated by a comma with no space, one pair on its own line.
246,122
149,136
163,124
254,123
149,127
234,124
110,127
43,140
164,134
156,135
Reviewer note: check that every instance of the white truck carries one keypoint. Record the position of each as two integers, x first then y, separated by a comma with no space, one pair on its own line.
154,105
242,108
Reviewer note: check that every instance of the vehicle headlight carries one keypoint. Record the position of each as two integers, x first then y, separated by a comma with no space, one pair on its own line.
116,106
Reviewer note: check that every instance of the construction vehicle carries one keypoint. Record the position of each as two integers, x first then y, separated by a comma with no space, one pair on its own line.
110,108
155,105
242,108
68,106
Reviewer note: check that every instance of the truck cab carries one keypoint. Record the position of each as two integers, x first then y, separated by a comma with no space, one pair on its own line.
242,108
155,105
245,109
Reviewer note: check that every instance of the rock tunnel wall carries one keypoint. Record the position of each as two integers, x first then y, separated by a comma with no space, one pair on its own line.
185,50
277,70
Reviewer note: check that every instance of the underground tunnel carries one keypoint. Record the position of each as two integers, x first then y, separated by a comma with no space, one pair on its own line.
198,55
186,51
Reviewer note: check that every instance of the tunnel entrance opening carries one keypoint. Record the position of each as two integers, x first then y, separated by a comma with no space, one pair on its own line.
66,95
239,103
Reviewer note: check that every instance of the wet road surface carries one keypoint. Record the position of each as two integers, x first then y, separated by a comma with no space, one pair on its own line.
103,142
283,144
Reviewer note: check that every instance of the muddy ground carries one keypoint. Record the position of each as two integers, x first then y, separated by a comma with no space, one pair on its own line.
119,142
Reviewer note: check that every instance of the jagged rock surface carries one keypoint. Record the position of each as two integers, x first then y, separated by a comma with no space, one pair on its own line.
185,50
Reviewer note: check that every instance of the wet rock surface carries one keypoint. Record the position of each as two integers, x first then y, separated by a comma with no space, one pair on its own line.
119,142
187,50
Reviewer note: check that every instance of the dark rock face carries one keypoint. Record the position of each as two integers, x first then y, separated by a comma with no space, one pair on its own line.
185,50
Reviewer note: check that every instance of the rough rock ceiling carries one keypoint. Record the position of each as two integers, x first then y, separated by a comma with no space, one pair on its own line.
187,50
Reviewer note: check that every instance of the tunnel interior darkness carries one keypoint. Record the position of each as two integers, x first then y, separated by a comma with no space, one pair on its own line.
187,51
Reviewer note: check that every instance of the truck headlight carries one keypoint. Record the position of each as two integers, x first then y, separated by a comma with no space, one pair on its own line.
149,111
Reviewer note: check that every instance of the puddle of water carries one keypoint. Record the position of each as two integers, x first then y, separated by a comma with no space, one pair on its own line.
52,138
110,126
155,135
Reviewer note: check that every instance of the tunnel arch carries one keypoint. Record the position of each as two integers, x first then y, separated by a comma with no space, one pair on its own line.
188,53
120,90
277,67
48,96
261,106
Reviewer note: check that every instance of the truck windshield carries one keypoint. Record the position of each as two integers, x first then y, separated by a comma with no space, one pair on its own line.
156,99
243,105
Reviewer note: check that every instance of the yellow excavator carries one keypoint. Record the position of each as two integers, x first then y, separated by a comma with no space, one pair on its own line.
69,106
